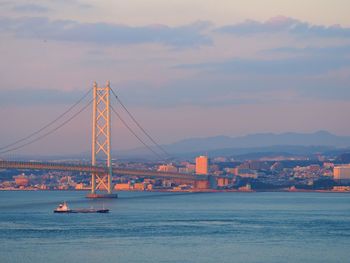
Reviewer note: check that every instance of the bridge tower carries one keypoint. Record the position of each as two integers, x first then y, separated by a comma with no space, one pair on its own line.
101,140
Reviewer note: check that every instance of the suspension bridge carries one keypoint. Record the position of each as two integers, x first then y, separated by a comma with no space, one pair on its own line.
101,172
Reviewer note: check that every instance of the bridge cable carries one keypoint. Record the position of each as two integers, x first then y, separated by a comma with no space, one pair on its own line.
139,125
130,129
47,125
49,132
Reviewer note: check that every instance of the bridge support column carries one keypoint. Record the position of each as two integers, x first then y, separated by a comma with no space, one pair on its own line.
93,183
101,140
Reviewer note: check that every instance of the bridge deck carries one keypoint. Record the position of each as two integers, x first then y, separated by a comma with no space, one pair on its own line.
97,169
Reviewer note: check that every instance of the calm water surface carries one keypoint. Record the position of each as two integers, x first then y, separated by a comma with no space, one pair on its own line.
164,227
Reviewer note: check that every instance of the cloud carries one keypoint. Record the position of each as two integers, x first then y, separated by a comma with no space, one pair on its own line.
217,89
5,3
287,66
30,8
336,51
76,3
282,24
103,33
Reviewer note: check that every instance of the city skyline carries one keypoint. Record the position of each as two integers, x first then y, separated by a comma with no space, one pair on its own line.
223,69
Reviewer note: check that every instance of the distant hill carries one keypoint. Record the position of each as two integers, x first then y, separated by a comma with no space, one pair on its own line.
287,143
249,146
320,138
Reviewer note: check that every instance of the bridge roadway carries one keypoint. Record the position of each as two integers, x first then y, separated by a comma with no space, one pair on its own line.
98,169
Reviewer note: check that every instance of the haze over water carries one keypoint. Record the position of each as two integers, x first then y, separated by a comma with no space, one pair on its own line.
164,227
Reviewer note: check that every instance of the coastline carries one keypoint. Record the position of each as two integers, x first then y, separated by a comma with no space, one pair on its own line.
194,191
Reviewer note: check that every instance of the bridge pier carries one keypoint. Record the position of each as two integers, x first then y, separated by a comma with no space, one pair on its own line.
101,195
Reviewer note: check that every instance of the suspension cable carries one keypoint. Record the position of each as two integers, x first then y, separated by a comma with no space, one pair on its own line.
49,132
137,137
47,125
139,125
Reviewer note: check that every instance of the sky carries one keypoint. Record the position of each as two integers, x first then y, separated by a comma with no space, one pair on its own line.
184,68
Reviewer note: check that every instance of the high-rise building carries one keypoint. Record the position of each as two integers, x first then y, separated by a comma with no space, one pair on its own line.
341,172
202,165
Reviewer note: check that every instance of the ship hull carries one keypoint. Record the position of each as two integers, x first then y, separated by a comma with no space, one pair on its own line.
91,211
83,211
63,212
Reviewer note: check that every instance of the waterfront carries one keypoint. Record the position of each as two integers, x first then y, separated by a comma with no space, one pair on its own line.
176,227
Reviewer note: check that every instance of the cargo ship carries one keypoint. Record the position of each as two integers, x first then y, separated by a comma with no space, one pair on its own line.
63,208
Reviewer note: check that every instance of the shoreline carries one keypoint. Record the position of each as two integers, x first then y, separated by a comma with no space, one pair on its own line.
195,191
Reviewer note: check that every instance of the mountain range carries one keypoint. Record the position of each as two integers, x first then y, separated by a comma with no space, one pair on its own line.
287,143
244,147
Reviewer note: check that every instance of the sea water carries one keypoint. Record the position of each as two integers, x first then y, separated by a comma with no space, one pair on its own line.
176,227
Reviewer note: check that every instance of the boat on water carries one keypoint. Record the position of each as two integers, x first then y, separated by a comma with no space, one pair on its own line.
63,208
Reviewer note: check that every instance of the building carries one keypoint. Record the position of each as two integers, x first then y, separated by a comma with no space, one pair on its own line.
341,172
191,168
22,180
187,168
183,170
341,189
167,183
222,182
139,186
81,186
167,168
328,165
122,186
314,168
246,188
202,165
246,173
